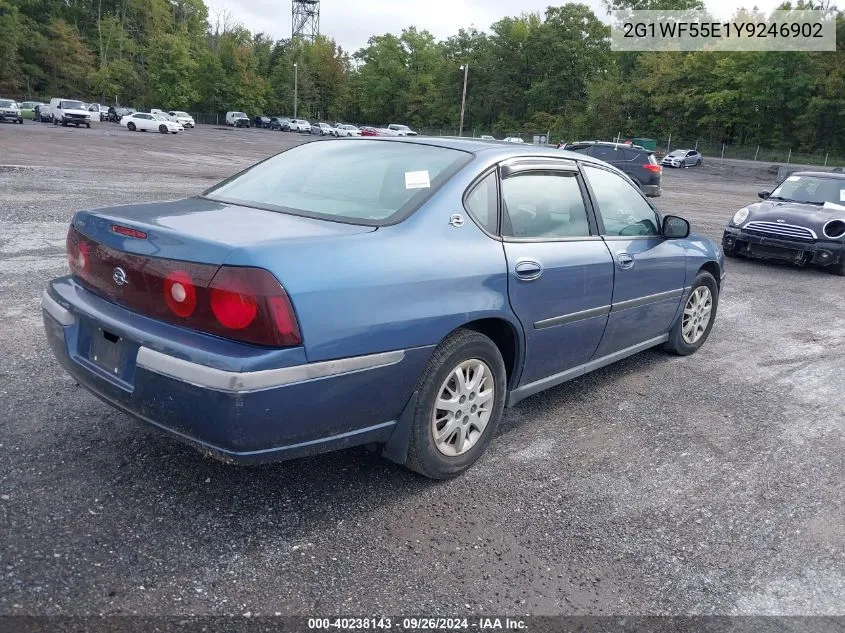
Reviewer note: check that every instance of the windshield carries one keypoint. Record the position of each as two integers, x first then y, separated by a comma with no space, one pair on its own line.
72,105
811,190
182,114
402,127
6,103
239,115
679,152
366,182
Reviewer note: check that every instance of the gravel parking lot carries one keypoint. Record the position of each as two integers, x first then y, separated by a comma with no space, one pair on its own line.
707,484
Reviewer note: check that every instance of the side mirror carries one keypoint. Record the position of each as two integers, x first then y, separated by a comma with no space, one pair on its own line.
763,195
675,228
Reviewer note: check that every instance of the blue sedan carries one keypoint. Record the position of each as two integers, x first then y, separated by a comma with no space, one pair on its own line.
390,292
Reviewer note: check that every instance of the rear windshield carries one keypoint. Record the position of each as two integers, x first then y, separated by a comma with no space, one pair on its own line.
359,181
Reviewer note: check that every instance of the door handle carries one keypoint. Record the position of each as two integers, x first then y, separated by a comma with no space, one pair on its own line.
625,260
528,269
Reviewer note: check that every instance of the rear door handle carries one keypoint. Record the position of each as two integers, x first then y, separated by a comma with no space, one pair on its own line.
528,269
625,260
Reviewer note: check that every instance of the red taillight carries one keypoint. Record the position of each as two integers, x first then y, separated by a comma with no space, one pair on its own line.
78,253
128,232
652,168
241,303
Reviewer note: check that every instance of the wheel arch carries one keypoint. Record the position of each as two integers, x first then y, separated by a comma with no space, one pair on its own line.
712,268
506,335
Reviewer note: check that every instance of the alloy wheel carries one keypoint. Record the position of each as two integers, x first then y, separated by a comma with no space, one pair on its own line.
697,314
463,407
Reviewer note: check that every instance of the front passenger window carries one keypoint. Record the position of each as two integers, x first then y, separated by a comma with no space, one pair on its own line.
543,204
621,206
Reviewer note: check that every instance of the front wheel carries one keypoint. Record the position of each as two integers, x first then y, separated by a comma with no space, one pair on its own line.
696,320
162,128
88,125
130,126
839,269
461,398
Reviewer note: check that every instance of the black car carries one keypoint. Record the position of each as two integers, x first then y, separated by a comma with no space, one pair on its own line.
117,112
638,163
802,222
41,113
280,123
264,122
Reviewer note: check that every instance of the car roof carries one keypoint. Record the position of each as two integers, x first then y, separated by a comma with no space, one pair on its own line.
500,150
820,174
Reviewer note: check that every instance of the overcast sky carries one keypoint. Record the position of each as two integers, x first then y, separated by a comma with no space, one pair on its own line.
352,22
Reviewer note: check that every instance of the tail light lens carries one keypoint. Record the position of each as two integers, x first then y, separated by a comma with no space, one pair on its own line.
652,168
240,303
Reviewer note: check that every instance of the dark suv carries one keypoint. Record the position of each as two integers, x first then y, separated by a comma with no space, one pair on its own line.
638,163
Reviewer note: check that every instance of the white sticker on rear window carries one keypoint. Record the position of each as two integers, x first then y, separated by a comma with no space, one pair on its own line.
417,179
793,178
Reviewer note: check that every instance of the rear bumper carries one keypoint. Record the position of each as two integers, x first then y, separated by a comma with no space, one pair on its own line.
232,405
822,253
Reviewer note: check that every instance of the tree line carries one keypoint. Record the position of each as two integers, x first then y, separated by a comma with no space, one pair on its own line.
528,73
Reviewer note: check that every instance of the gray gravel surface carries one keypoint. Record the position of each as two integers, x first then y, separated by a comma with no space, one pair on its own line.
707,484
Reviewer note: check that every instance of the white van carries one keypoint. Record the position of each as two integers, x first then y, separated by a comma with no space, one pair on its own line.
69,111
237,119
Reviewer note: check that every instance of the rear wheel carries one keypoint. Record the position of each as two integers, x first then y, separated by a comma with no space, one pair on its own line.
461,399
130,126
698,163
696,320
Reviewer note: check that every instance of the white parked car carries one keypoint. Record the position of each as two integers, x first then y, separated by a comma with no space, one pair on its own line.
300,125
146,121
10,111
513,139
69,111
183,117
347,130
401,130
237,119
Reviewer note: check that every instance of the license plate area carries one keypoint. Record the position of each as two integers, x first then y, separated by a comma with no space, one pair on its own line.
106,350
108,354
776,252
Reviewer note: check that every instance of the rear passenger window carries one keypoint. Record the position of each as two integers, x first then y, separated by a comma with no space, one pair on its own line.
482,203
543,204
607,153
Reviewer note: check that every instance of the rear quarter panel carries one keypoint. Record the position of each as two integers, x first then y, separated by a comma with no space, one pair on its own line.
399,287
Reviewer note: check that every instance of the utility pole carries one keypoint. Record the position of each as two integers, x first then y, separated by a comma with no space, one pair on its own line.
295,87
465,68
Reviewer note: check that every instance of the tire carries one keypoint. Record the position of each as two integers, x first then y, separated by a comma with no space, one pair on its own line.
838,269
55,122
425,455
130,126
162,128
88,125
683,345
698,163
64,123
